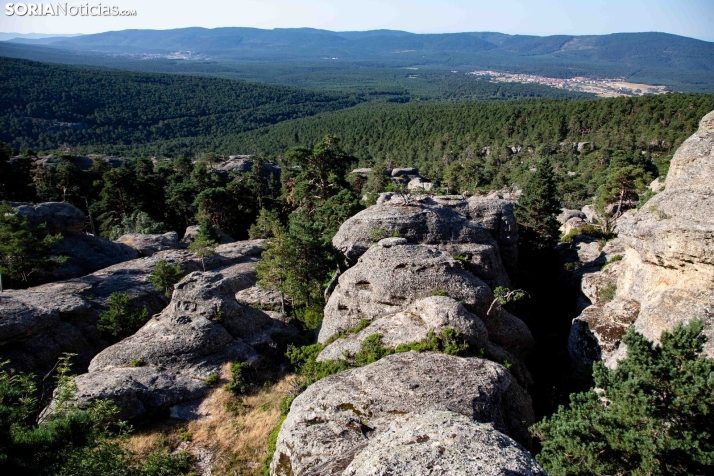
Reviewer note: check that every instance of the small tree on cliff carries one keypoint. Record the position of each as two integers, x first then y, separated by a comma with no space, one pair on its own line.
653,414
536,210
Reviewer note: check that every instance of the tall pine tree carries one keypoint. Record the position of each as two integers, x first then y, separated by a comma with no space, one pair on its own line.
537,209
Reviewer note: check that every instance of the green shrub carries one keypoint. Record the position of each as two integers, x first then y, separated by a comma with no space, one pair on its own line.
311,317
439,292
137,222
371,350
240,380
165,275
137,363
614,259
71,441
378,234
607,293
121,319
653,414
212,380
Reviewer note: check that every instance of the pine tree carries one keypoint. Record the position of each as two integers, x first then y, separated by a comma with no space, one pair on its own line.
165,275
23,248
653,414
536,210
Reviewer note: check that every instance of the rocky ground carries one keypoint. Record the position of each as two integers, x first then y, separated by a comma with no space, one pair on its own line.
666,274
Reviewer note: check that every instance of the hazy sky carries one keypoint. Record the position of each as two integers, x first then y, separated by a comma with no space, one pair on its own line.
694,18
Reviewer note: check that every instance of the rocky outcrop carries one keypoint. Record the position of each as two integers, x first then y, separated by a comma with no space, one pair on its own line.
147,245
85,253
192,231
40,323
480,230
392,275
57,217
442,442
167,361
343,421
666,276
388,278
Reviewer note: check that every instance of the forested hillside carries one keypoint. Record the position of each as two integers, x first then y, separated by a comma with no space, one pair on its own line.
43,106
478,144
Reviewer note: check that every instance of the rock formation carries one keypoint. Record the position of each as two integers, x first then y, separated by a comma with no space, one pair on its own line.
167,361
85,253
666,275
442,442
147,245
38,324
355,422
482,230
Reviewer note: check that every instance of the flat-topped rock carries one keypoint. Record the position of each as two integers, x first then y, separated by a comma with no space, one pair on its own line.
147,245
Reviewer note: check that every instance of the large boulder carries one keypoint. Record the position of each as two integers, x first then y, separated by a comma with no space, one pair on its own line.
442,442
169,359
38,324
345,415
58,217
666,276
431,314
87,254
443,224
393,274
147,245
388,278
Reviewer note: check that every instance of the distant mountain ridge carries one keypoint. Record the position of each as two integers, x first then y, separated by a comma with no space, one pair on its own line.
631,48
682,63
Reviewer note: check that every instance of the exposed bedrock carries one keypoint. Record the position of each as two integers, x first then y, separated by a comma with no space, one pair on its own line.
356,422
38,324
666,276
480,229
393,275
168,360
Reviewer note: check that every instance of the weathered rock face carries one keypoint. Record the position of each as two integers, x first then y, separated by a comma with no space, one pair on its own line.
40,323
667,273
147,245
476,229
87,254
388,279
193,230
58,217
202,329
442,442
432,314
345,415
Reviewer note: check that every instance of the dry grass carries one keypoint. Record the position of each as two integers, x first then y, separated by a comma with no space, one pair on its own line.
235,432
239,437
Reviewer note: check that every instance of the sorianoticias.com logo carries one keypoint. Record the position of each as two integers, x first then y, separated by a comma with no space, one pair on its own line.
63,9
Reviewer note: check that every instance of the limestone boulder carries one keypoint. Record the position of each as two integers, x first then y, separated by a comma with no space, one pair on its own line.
431,314
442,442
566,214
147,245
344,415
86,254
666,275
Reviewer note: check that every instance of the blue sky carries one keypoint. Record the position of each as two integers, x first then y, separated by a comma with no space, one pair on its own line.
694,18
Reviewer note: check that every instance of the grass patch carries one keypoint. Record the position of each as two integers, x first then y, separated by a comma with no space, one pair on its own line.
607,293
